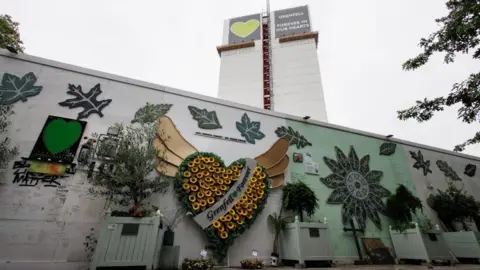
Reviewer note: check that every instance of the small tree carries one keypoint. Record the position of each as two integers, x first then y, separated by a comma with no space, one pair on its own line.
401,208
126,178
454,205
459,33
9,34
278,223
299,198
7,153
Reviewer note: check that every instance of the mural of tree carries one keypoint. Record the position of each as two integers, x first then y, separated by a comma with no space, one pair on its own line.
356,187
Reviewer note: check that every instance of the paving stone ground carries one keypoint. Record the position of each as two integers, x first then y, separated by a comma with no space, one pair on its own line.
379,267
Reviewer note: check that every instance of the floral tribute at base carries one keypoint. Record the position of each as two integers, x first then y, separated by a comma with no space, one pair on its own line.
203,180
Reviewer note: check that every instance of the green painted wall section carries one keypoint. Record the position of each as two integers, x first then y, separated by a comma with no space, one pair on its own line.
394,167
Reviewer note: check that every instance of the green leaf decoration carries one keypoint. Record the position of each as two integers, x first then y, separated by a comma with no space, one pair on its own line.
293,137
448,171
357,188
204,118
150,113
250,130
88,101
420,163
14,88
388,148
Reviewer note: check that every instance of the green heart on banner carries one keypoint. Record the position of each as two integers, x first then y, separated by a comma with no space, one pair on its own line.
60,135
244,29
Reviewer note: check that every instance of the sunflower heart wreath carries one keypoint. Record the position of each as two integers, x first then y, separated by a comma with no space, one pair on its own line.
224,201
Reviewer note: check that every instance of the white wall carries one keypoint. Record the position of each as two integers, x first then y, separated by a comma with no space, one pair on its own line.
49,224
297,85
241,76
436,180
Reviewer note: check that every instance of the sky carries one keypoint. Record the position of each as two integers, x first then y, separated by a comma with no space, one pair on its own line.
362,45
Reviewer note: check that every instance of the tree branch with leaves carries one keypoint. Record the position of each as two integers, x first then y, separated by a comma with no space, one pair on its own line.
9,34
459,33
126,178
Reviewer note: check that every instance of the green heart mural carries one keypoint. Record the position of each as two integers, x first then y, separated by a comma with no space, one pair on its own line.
60,135
245,29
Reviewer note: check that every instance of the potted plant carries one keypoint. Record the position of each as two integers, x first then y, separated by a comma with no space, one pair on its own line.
303,241
171,223
455,206
278,223
126,179
409,240
299,198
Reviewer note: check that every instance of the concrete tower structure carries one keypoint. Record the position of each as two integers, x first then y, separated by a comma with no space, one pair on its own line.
270,61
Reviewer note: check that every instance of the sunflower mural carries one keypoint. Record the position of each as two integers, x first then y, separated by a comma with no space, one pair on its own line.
356,187
223,199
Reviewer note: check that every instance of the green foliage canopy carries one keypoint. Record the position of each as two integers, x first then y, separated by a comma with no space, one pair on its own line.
9,34
459,33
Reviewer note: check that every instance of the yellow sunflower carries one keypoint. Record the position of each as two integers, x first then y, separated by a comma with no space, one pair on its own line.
186,186
192,198
223,235
187,174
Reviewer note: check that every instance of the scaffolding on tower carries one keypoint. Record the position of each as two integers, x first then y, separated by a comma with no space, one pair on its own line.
267,60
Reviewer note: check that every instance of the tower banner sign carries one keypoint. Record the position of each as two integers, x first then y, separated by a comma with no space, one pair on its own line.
243,29
292,21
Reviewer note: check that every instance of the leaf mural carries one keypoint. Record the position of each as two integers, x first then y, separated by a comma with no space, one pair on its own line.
204,118
150,113
448,171
14,88
420,163
250,130
470,170
388,148
88,101
293,137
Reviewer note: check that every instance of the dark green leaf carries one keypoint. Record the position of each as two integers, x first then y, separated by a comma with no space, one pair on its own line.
448,171
293,137
387,148
88,101
14,88
204,118
250,130
150,113
364,167
353,159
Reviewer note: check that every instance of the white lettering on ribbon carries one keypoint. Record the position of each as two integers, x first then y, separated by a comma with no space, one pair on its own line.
220,208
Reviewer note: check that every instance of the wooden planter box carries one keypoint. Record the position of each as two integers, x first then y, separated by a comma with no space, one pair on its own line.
415,245
306,241
463,244
126,241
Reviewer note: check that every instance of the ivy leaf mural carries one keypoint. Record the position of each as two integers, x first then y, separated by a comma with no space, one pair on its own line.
470,170
448,171
205,119
88,101
14,88
250,130
293,137
420,163
150,113
355,187
388,148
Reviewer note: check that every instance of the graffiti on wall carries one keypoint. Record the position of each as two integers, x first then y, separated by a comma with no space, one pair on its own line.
356,187
88,101
23,177
420,162
204,118
14,88
250,130
58,141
